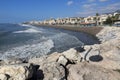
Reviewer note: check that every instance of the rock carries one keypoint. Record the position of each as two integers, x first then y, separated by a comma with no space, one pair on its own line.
53,71
11,61
86,71
110,52
17,71
37,61
62,60
3,77
53,57
109,33
85,53
110,45
49,68
45,59
72,55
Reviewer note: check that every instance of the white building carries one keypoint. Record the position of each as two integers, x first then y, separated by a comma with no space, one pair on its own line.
90,19
103,18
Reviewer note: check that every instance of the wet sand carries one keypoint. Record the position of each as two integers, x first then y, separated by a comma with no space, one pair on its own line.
89,30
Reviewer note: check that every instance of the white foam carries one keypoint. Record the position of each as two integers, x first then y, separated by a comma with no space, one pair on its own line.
28,51
65,39
30,30
27,25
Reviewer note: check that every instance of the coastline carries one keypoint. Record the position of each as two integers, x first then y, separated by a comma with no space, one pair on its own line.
92,31
89,30
100,60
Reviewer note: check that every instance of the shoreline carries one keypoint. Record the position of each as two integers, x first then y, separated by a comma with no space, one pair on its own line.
92,31
89,30
100,60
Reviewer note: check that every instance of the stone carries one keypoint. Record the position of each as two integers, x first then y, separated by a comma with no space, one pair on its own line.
11,61
49,58
37,61
108,33
85,53
53,57
86,71
45,59
110,45
17,71
72,55
53,71
3,77
110,53
62,60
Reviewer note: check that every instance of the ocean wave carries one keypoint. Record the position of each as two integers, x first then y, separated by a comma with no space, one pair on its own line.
27,25
30,30
29,51
64,40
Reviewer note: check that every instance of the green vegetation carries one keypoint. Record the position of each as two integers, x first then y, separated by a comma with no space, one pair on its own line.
111,20
108,21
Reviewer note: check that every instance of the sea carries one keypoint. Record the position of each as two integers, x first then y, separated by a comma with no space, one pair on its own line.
26,41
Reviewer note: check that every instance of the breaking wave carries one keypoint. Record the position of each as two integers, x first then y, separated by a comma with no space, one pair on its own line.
25,25
29,51
63,41
45,40
30,30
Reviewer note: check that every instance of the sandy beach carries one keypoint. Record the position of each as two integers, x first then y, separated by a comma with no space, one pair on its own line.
89,30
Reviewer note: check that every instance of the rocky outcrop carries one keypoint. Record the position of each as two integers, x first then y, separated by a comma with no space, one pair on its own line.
53,71
16,72
86,71
91,62
72,55
11,61
109,49
109,33
3,77
62,60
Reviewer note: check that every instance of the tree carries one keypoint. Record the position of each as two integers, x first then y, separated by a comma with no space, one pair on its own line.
97,19
117,16
108,21
111,20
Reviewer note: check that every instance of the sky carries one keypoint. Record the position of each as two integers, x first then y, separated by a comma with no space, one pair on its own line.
16,11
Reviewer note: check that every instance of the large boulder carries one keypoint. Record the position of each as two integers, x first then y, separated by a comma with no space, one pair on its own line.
86,71
17,71
11,61
110,45
62,60
110,53
108,33
53,71
45,59
72,55
50,67
3,77
53,57
37,61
